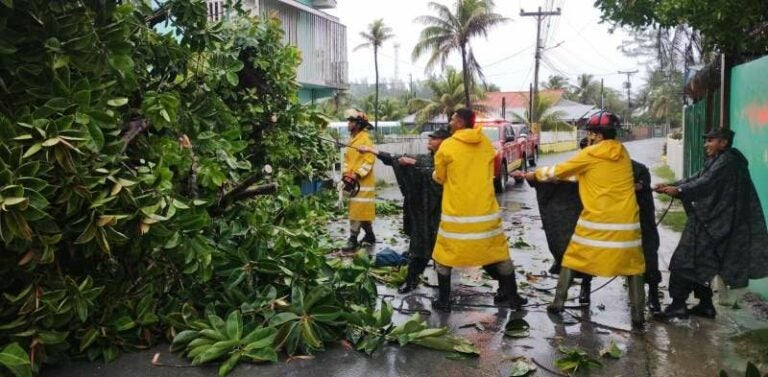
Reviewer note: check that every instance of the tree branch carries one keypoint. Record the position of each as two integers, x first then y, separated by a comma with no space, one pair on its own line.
132,129
244,190
160,15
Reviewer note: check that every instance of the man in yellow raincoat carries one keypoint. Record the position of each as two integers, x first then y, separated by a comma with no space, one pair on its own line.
358,170
607,240
470,232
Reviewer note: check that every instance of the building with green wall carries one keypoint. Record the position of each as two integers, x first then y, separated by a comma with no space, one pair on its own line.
321,38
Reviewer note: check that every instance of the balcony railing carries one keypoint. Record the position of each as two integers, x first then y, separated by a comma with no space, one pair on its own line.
321,39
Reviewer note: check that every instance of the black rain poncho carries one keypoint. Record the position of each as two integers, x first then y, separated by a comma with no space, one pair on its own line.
422,198
725,233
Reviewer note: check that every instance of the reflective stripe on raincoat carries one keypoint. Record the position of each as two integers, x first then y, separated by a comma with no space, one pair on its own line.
470,231
362,207
607,239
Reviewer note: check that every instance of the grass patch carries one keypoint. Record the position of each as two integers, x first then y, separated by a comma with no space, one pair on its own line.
665,173
753,345
675,220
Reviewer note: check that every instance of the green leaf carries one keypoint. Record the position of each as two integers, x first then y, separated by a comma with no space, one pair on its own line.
612,351
117,102
232,78
259,338
522,367
96,135
517,328
32,150
15,359
88,339
124,323
235,325
230,364
281,318
7,3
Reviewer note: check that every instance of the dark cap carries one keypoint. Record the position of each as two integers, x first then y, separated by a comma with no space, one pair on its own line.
720,133
440,133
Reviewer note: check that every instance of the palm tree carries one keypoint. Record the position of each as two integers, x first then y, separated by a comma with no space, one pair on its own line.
451,31
447,96
586,90
377,34
548,120
556,82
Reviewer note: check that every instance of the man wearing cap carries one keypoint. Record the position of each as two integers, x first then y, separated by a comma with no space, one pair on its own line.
358,169
607,239
470,232
725,233
421,203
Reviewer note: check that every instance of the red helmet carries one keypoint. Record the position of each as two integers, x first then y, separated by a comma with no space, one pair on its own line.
602,120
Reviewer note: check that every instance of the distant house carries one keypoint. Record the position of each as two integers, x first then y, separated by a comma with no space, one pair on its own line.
500,105
320,36
505,104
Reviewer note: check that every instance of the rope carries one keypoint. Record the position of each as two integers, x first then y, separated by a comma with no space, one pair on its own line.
665,212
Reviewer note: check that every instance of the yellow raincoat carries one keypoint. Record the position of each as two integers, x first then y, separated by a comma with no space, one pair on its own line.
362,207
607,238
470,231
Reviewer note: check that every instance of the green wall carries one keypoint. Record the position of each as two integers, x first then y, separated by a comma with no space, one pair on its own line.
749,119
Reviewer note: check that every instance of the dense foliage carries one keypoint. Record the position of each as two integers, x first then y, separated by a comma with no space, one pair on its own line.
732,26
148,185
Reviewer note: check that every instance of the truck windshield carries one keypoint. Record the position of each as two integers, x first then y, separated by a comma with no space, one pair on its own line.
492,133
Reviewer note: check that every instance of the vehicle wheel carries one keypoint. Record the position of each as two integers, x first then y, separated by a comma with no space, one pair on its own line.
535,158
500,183
523,168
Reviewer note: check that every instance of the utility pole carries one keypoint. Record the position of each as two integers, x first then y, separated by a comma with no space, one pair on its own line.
410,78
602,94
539,16
628,84
397,63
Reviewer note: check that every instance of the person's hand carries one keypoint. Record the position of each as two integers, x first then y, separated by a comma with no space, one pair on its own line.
638,186
670,190
367,149
350,177
660,187
405,161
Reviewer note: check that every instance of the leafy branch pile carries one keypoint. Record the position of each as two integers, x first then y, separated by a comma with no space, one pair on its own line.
149,189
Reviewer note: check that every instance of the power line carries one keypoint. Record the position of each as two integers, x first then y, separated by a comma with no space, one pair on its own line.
540,15
508,57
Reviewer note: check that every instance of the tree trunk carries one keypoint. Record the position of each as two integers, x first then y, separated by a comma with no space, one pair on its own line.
465,72
376,96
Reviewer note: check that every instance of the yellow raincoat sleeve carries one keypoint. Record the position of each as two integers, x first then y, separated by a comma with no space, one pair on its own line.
366,164
567,170
441,167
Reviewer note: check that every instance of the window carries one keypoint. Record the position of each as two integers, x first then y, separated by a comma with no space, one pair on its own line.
492,133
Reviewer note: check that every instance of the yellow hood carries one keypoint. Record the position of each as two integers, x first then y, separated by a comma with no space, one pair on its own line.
610,150
469,136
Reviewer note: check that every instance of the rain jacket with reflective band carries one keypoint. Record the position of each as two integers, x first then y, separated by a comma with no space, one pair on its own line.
470,231
362,207
607,238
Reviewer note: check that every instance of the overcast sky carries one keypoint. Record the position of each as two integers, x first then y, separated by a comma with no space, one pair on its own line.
507,55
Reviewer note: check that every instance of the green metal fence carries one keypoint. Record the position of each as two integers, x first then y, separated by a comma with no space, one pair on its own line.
699,118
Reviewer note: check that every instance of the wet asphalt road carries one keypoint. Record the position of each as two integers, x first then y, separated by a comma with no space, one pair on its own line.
696,347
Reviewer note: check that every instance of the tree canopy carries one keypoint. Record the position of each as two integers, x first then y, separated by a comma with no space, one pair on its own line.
731,26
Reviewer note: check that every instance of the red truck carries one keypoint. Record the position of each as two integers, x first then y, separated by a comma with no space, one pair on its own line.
529,141
509,150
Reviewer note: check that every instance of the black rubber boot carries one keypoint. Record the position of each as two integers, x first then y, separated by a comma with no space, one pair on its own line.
561,292
586,291
653,298
636,299
369,237
676,309
411,282
352,244
508,287
443,302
